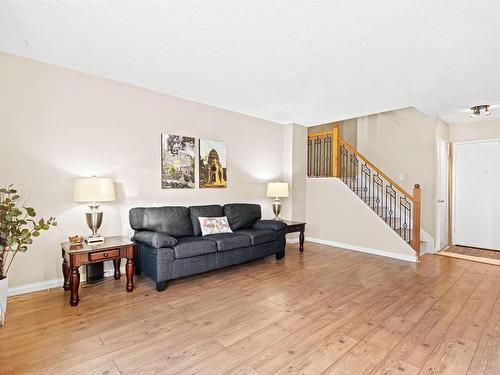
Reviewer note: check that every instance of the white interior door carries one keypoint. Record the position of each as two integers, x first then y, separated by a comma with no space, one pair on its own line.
442,194
477,195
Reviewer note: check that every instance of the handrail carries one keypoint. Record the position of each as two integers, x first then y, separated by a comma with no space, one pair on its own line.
390,180
319,134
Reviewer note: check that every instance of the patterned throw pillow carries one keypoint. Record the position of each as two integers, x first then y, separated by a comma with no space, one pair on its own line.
213,225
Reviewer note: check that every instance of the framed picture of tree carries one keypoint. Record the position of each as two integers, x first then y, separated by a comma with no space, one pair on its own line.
177,162
212,164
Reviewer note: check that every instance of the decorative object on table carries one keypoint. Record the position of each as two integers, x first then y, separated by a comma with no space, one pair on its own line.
113,248
18,227
296,226
213,164
277,190
177,162
94,190
214,225
75,240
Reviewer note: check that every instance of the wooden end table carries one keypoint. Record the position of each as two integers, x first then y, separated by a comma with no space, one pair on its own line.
297,226
113,248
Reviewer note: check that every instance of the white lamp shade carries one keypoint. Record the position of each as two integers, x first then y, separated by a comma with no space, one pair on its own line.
94,189
277,189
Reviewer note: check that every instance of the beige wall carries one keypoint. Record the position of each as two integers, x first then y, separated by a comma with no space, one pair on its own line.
299,172
442,130
349,131
403,142
57,124
322,128
294,172
336,215
475,131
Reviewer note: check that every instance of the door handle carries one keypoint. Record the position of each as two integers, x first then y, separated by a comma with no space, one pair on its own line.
440,200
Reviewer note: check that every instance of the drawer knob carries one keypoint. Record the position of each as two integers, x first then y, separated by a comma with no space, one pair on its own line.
105,255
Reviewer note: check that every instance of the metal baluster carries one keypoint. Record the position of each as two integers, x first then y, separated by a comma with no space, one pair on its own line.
365,175
309,157
343,163
317,155
405,208
354,173
328,156
391,205
379,201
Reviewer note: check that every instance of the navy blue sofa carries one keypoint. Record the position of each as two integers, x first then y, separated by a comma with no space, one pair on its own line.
169,244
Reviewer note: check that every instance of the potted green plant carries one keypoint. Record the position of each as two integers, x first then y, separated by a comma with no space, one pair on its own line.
18,227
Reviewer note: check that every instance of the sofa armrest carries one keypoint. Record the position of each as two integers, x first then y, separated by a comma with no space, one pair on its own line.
275,225
154,239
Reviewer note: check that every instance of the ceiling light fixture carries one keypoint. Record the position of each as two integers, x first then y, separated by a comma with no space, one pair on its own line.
480,109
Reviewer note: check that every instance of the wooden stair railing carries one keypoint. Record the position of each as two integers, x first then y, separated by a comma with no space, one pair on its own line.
329,155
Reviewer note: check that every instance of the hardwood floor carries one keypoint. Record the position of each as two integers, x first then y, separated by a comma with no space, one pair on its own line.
325,311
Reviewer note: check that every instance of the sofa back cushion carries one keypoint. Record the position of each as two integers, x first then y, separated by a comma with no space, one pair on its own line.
213,210
242,215
174,221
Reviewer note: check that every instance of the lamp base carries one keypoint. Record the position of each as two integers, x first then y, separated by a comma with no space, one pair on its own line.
277,209
94,220
94,239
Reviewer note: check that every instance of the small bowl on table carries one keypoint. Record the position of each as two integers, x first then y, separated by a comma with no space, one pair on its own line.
75,240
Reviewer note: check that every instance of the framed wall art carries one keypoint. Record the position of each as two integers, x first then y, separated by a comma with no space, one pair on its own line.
212,164
177,162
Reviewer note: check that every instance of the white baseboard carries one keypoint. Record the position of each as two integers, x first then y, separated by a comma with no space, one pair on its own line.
408,258
35,287
292,240
55,283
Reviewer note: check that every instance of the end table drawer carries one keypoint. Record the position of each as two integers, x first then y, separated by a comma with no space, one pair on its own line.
103,255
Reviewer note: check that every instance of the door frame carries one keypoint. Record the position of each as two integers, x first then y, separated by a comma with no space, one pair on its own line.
453,182
449,161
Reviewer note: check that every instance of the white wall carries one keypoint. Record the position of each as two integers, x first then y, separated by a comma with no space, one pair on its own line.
57,124
475,131
337,216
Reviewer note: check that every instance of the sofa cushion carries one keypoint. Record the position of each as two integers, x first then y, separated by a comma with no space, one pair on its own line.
229,241
213,210
242,215
154,239
188,247
258,236
174,221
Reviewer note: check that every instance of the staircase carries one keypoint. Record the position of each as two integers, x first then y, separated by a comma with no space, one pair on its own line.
331,156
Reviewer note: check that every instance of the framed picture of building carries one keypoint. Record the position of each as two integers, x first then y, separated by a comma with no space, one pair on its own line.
212,164
177,162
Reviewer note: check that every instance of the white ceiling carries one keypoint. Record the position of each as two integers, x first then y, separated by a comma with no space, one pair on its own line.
303,62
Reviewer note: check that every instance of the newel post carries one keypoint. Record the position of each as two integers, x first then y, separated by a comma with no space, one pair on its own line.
415,240
336,153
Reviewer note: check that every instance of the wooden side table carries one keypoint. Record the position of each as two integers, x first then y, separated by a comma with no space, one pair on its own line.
113,248
297,226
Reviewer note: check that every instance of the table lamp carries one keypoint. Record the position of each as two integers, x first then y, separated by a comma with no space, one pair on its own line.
277,190
94,190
